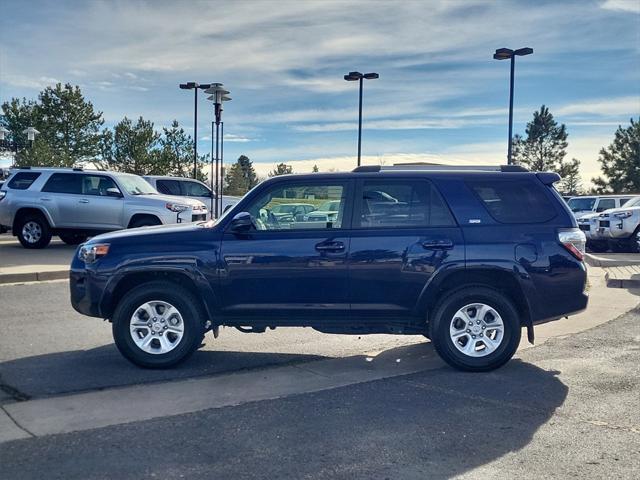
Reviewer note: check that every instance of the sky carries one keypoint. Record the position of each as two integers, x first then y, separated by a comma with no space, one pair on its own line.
440,97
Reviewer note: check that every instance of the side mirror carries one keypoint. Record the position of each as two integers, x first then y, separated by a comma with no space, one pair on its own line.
242,223
113,192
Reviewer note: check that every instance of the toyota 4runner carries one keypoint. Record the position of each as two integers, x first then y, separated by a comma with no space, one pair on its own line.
442,252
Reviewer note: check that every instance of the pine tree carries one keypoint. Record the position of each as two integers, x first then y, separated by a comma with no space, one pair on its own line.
281,169
571,183
133,149
240,177
176,153
545,146
315,169
620,162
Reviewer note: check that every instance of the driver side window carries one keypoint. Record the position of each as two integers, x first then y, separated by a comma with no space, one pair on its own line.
317,206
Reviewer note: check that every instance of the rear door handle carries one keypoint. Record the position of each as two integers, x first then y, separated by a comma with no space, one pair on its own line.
439,244
330,247
84,200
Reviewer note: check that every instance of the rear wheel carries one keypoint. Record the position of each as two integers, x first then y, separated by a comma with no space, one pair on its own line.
158,325
476,329
33,231
72,238
597,246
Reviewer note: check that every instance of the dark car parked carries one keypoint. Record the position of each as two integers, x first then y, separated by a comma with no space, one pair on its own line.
463,256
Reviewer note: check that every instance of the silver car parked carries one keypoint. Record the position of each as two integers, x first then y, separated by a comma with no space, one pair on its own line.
36,203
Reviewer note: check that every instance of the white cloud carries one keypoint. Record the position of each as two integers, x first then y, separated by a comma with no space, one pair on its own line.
229,137
629,106
622,5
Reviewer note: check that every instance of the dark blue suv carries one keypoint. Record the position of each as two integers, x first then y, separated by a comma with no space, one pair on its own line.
464,256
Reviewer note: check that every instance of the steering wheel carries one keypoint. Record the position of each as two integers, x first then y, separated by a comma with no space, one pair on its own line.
273,220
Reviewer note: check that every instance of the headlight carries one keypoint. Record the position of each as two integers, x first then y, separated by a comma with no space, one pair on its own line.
625,214
90,253
176,207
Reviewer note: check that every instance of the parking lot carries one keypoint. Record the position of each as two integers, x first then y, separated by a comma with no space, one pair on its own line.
367,406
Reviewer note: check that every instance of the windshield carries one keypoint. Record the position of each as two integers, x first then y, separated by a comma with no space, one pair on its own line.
634,202
581,204
284,209
331,206
136,185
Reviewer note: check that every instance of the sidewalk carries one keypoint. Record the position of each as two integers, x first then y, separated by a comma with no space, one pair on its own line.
18,264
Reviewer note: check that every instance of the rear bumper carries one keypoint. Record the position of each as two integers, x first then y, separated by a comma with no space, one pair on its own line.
573,307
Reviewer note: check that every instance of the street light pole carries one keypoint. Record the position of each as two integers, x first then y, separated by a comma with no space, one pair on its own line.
195,86
351,77
218,96
504,54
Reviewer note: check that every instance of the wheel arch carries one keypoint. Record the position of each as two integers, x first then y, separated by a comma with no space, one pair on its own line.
504,280
140,216
119,286
22,211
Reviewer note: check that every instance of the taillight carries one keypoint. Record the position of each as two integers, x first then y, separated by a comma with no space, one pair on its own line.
574,240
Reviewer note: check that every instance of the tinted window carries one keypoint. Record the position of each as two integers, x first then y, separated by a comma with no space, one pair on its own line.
22,180
195,189
519,201
402,204
97,185
317,194
581,204
606,204
64,183
169,187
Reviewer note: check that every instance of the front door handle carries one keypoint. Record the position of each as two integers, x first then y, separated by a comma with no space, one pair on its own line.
84,200
439,244
330,247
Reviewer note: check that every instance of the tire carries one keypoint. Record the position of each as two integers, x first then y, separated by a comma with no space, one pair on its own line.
623,246
33,231
481,357
145,222
153,295
597,246
72,238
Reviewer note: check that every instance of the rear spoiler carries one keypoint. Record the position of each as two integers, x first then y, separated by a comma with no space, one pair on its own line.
548,178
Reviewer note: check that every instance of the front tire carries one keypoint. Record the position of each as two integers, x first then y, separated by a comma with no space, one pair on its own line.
33,231
476,329
72,238
158,325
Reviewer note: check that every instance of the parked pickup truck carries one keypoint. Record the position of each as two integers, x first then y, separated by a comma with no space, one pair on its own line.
36,203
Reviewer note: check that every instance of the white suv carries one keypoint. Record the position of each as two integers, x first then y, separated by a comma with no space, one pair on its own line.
581,206
36,203
621,227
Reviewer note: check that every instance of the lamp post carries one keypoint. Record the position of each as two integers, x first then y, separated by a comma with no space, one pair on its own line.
218,95
15,145
195,86
352,77
505,54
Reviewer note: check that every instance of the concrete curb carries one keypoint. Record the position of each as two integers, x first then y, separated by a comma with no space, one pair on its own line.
621,282
596,261
33,276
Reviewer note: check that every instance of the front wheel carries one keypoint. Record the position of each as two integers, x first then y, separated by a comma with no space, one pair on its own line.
158,325
476,329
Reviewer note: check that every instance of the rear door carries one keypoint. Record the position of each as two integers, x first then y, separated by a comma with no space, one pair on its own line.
61,195
402,233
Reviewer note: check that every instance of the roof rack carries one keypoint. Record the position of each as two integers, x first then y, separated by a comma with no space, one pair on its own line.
442,168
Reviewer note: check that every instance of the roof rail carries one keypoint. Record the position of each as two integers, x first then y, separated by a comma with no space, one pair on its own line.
24,168
442,168
78,169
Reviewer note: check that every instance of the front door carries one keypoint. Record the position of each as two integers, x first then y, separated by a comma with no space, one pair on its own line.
98,207
402,233
290,271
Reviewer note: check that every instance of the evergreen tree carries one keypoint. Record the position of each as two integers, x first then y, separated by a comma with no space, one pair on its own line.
571,183
620,162
281,169
240,177
315,169
133,148
176,153
68,124
545,146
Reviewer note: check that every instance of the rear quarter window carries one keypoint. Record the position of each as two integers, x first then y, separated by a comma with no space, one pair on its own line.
514,201
22,180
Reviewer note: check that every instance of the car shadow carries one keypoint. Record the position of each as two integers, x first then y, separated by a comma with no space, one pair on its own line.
104,367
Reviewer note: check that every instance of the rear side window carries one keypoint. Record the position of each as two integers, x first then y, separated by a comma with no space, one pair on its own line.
195,189
22,180
169,187
64,183
606,204
509,201
402,203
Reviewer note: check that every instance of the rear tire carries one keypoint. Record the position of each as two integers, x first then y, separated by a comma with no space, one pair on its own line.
597,246
158,325
476,329
72,238
33,231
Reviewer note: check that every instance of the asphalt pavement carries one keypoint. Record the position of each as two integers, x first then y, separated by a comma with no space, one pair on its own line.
566,409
